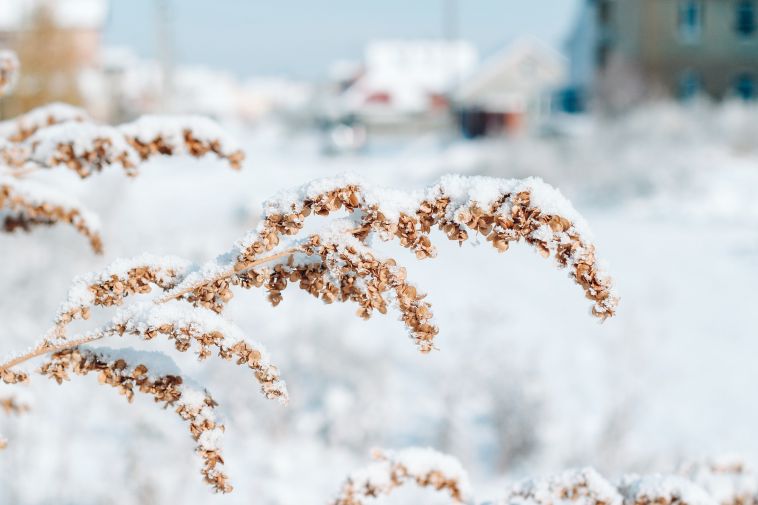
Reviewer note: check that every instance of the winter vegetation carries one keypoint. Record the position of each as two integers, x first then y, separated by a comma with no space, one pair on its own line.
512,378
60,135
727,482
335,263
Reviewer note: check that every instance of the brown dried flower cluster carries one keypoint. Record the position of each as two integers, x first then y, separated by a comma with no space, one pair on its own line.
512,217
184,335
716,482
169,390
111,287
61,135
585,487
729,480
336,264
26,125
424,467
87,148
24,211
192,143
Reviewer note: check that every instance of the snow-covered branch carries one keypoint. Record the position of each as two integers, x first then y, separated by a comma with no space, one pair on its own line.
424,467
337,263
154,374
25,204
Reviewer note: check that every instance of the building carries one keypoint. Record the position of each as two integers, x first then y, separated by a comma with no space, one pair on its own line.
55,40
82,19
624,51
405,83
509,90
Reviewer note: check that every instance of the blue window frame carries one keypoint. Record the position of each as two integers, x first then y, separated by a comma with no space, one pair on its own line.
690,20
744,86
745,18
690,85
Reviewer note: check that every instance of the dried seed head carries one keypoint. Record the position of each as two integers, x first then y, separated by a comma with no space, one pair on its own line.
581,487
424,467
28,205
191,403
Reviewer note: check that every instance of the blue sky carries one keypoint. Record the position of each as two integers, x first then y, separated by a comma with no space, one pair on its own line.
299,38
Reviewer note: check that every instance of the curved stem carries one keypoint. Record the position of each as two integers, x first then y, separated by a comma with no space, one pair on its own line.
225,274
47,348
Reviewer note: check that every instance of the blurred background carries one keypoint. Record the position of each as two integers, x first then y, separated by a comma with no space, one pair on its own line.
643,112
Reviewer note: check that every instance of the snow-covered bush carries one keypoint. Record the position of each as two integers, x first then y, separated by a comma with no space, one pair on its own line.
60,135
704,483
336,262
424,467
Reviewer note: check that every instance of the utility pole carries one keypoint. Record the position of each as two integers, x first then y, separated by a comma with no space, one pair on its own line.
165,52
450,20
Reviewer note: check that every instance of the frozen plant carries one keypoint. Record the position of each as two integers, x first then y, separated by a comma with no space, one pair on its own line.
713,482
576,487
338,262
60,135
390,470
728,479
660,489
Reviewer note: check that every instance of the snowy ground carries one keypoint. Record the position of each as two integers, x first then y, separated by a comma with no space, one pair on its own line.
525,382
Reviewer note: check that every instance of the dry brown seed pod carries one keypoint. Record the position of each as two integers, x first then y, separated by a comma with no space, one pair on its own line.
662,490
728,479
153,374
29,205
581,487
424,467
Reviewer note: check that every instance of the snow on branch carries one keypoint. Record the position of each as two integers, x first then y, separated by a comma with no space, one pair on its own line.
24,204
24,126
337,263
500,210
153,374
9,66
579,487
660,489
59,135
424,467
187,326
122,278
728,479
195,136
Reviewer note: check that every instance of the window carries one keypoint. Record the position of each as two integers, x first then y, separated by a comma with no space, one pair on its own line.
690,85
745,25
744,86
690,20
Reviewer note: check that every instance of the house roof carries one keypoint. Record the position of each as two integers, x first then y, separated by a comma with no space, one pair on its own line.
409,71
507,80
88,14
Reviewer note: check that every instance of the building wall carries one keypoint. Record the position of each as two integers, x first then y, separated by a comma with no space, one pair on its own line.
644,40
